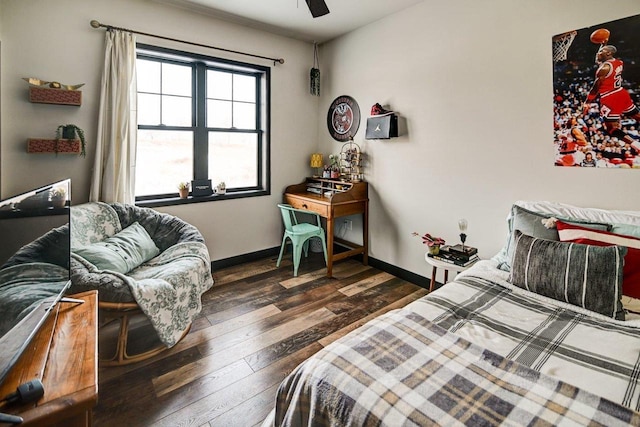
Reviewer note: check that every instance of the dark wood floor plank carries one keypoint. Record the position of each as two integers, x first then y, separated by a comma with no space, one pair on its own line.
216,404
257,324
325,341
224,355
249,412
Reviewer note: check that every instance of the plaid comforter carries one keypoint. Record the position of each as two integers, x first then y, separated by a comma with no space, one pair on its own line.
475,352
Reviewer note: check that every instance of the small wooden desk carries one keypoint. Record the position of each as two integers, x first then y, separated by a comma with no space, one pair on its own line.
336,199
64,356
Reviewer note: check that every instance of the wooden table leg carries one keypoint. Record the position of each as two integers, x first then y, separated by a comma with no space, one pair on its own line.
433,278
365,234
330,225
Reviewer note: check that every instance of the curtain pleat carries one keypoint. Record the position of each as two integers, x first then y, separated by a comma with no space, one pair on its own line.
113,178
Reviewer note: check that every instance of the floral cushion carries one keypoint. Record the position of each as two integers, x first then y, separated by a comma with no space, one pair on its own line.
93,222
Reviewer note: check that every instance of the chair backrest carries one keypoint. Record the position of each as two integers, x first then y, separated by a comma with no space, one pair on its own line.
288,216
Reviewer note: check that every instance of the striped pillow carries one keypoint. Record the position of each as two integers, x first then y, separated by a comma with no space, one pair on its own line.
631,271
583,275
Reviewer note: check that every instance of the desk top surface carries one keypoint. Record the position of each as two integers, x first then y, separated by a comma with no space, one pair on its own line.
63,355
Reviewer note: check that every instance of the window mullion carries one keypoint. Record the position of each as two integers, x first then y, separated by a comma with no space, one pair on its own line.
201,138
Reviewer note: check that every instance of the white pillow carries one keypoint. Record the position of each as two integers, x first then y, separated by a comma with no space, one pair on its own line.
588,214
623,222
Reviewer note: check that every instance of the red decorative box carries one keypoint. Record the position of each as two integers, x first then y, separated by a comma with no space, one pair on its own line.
64,146
46,95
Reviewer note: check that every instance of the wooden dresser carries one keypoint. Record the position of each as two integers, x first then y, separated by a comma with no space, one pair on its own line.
331,199
64,356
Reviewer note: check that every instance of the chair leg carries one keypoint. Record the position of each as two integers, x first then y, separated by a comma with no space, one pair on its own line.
297,253
305,247
284,238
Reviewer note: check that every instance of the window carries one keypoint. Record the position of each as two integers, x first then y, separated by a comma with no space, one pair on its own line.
200,118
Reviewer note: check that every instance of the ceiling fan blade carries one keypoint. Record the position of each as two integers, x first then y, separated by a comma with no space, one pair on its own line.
317,7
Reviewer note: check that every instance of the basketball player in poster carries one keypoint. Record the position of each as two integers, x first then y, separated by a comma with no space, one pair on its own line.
615,101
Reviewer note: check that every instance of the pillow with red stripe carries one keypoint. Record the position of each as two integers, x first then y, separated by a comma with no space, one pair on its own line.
631,272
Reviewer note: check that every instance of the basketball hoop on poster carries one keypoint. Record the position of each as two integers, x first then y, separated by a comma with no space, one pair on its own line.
561,44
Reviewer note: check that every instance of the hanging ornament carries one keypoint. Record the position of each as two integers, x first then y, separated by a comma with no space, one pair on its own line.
314,74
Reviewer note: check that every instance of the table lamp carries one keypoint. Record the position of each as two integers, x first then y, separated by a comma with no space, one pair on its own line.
462,225
316,162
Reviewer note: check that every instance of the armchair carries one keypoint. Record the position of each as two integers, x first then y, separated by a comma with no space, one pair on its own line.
164,289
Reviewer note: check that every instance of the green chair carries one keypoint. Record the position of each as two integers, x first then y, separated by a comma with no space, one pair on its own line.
299,233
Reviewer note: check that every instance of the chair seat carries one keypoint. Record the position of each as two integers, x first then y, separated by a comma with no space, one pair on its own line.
305,228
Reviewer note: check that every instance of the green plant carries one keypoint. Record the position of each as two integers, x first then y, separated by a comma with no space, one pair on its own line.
221,186
183,185
58,193
69,132
334,160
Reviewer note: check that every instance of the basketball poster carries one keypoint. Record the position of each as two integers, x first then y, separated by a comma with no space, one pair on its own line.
596,95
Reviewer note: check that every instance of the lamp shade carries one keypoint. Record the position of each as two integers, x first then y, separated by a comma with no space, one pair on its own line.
316,160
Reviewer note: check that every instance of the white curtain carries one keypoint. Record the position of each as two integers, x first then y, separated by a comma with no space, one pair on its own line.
113,177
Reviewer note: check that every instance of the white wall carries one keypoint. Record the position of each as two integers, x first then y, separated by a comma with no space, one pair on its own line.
53,40
473,80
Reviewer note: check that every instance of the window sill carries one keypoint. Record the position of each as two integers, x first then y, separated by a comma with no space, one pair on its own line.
172,201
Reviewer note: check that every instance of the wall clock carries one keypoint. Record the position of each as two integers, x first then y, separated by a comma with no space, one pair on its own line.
343,118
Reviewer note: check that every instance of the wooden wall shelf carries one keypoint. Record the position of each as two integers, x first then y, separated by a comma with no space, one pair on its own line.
62,146
45,95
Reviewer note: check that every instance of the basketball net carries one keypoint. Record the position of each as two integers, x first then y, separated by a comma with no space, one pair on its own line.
561,45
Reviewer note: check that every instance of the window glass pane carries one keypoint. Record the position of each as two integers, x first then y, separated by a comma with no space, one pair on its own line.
233,158
218,85
164,158
176,79
148,73
176,111
218,114
148,109
244,115
244,88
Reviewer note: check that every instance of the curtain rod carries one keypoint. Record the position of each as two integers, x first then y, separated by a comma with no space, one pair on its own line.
97,24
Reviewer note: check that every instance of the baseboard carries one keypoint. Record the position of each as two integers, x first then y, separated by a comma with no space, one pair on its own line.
416,279
241,259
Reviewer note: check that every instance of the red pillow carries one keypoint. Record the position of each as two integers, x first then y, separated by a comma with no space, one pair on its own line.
631,271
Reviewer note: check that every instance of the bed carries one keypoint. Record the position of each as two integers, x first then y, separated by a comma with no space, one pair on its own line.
547,332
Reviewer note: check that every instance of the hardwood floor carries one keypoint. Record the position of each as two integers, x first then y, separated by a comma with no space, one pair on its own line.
257,324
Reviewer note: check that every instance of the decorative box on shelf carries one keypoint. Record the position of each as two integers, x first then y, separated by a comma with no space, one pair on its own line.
45,145
46,95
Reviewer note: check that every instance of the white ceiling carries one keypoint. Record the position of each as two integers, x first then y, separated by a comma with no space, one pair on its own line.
292,18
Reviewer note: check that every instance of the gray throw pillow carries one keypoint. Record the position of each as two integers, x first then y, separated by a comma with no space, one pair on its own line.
121,252
583,275
530,223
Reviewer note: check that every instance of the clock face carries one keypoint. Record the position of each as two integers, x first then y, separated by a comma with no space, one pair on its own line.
343,118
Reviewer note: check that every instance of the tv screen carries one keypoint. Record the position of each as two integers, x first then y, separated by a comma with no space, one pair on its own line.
34,265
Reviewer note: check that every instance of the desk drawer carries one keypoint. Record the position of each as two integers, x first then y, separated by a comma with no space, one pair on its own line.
308,205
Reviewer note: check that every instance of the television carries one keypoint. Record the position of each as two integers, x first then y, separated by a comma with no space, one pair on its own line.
34,265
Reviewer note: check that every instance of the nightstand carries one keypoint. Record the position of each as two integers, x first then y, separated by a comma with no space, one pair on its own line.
446,266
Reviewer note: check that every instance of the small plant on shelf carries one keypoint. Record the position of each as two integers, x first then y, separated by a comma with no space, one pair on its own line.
334,166
434,243
183,189
58,197
221,188
70,132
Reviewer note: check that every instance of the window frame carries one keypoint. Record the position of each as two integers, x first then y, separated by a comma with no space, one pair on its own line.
200,64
